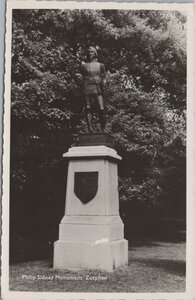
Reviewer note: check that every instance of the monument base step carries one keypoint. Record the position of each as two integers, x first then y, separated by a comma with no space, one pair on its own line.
102,254
91,228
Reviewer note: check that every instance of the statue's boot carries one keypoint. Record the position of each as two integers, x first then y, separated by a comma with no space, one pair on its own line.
89,121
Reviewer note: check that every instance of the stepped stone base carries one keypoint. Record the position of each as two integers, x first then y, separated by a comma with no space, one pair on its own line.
91,228
91,231
102,255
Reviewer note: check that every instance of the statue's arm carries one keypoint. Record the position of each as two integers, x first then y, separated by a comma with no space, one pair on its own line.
103,70
103,74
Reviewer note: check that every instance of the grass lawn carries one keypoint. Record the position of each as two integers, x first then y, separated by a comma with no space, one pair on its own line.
154,266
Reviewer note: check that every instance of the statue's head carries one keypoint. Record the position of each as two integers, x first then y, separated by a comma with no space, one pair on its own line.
91,53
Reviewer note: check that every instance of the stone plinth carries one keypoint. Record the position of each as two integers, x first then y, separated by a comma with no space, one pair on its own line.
94,139
91,231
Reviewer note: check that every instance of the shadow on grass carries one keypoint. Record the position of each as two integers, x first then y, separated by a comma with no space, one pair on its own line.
176,267
162,229
151,240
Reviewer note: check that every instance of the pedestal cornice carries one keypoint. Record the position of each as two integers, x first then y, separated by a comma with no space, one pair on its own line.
91,152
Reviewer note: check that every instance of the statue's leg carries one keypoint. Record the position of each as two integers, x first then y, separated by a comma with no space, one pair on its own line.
88,113
102,115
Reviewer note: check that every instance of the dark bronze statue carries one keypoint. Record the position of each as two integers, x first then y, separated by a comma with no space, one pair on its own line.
93,74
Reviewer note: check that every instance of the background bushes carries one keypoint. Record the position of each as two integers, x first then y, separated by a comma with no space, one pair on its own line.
145,57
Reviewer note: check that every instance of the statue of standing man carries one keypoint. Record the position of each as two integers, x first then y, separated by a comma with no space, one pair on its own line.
93,74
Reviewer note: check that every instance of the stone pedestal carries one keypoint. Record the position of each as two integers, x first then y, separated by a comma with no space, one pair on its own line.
91,232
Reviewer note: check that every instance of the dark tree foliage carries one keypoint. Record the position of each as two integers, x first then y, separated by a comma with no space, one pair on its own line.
145,56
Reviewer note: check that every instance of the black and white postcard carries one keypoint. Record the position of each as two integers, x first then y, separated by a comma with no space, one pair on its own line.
98,155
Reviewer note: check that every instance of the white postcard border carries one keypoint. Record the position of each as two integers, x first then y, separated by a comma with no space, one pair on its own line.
190,276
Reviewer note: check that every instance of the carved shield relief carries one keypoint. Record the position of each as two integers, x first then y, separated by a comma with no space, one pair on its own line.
85,185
